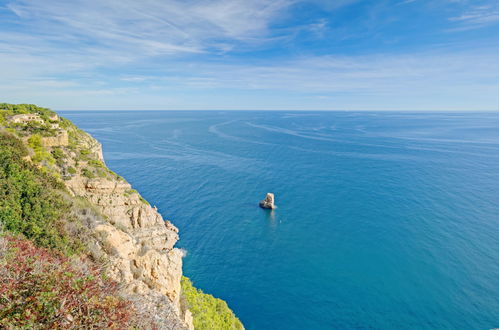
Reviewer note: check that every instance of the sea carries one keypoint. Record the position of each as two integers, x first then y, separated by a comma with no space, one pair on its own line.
384,220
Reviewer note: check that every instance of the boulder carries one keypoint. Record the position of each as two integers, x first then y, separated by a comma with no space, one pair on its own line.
268,202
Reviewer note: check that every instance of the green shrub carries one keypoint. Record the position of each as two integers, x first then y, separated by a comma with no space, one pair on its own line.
31,200
87,173
35,142
101,173
57,153
83,154
71,170
59,156
96,163
208,312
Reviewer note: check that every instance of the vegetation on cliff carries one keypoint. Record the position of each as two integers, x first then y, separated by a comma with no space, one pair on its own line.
207,311
51,256
32,201
41,288
46,281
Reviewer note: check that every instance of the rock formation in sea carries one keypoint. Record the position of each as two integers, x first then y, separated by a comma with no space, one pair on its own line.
268,202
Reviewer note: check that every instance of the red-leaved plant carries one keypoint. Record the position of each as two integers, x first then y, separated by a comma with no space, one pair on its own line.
42,288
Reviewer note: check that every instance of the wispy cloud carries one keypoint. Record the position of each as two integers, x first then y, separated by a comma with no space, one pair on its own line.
126,51
152,26
477,17
386,81
380,74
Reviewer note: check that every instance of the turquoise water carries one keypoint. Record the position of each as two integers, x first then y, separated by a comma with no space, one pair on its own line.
384,220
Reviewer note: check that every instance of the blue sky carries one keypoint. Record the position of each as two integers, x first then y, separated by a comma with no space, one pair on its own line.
251,54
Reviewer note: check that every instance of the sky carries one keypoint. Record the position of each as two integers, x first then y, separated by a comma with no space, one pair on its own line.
250,54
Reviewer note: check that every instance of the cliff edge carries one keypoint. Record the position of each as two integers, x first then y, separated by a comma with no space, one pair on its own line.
116,226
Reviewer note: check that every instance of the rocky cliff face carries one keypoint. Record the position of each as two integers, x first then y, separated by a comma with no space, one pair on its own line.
126,234
137,243
111,225
59,139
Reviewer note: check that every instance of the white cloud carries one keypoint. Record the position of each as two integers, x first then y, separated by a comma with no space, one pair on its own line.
379,74
128,51
152,26
375,81
477,17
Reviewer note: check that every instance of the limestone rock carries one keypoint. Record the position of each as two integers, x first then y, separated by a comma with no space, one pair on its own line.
188,319
60,139
268,202
136,241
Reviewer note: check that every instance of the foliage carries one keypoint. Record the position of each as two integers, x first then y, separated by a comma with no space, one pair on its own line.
33,127
35,142
7,109
83,155
41,288
31,201
87,173
96,163
58,155
208,312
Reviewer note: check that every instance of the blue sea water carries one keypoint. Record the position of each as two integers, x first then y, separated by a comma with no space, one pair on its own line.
385,220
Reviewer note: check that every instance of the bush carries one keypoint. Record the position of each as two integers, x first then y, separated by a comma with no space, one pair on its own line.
84,154
42,289
96,163
208,312
57,153
59,156
35,142
87,173
31,201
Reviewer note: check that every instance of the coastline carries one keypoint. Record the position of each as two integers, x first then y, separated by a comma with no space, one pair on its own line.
122,229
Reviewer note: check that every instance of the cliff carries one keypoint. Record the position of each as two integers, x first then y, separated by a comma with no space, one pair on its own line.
116,226
137,243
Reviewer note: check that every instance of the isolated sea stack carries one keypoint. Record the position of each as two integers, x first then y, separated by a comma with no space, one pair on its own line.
268,202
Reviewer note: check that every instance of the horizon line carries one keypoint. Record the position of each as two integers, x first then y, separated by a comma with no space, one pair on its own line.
295,110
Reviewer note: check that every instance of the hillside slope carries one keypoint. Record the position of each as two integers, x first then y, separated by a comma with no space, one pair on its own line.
57,192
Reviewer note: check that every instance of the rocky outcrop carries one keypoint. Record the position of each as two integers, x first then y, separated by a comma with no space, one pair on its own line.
137,243
120,230
268,202
59,140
